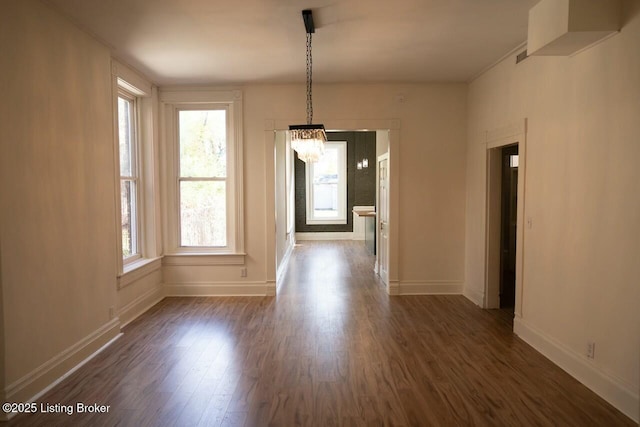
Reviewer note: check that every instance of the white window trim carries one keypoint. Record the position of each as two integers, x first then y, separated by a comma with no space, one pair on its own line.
342,188
128,80
124,91
172,102
229,179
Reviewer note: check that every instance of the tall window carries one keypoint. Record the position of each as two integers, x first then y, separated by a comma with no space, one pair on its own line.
203,181
203,177
327,186
129,177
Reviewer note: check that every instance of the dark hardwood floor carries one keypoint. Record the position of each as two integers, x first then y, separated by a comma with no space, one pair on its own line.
331,349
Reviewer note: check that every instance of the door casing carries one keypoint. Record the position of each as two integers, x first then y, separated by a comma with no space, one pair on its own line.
495,140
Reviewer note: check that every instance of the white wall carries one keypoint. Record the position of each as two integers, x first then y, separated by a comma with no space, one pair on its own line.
582,254
57,216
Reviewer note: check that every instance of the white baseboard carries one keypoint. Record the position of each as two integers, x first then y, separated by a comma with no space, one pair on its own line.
271,288
474,296
285,261
329,235
612,389
208,289
393,287
53,371
429,287
358,231
144,302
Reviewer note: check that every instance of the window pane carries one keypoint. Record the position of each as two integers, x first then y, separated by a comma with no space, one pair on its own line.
325,185
203,143
125,132
203,213
128,217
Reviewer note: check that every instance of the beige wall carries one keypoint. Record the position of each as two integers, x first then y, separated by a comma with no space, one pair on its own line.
382,142
57,214
430,154
136,297
582,253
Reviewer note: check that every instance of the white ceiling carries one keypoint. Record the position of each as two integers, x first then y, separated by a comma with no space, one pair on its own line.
237,41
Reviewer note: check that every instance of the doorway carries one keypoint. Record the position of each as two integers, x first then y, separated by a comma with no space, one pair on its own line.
506,156
508,226
281,239
504,231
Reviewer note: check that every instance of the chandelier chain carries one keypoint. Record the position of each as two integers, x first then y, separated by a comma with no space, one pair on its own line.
309,81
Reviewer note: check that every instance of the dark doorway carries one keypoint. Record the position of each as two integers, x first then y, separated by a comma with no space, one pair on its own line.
509,203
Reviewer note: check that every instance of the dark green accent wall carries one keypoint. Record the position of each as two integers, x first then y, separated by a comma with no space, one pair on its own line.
361,184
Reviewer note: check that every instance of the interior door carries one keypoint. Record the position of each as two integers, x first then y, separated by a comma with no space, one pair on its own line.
383,217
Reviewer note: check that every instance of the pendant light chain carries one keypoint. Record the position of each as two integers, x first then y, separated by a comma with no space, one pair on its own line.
309,80
308,140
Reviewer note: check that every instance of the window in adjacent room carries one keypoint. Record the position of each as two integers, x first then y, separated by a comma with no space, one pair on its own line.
327,186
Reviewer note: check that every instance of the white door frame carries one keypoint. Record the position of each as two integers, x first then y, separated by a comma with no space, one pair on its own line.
496,139
377,267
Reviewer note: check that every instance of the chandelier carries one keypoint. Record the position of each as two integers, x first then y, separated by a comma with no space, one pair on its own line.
308,140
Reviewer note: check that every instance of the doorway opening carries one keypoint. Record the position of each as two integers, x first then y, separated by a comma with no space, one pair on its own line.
508,227
504,234
360,221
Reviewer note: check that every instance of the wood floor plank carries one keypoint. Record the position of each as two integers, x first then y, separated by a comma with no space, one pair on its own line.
331,349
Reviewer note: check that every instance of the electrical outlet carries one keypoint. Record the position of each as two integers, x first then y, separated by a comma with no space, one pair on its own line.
243,272
112,312
591,349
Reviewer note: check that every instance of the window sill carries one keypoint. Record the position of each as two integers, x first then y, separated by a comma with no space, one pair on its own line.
137,270
204,259
326,222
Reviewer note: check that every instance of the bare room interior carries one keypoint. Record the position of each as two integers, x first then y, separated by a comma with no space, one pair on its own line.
320,213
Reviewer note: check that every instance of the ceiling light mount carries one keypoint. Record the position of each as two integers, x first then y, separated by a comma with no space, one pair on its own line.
307,17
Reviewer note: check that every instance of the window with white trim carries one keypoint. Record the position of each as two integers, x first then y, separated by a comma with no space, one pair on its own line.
202,189
134,173
204,180
129,177
326,194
